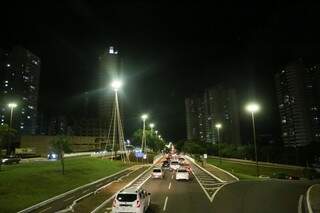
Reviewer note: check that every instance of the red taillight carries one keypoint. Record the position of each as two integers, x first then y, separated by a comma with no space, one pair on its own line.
114,204
138,204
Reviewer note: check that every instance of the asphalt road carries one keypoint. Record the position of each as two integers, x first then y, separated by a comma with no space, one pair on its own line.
268,196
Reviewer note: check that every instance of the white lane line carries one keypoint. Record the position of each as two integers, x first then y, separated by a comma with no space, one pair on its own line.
205,191
169,185
165,204
172,177
85,191
300,204
68,199
45,209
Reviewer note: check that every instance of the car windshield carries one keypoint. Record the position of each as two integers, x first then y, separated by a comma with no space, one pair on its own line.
174,163
126,197
182,170
156,170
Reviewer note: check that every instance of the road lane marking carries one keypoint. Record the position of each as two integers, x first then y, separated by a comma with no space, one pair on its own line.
85,191
165,204
300,204
169,185
45,209
68,199
172,177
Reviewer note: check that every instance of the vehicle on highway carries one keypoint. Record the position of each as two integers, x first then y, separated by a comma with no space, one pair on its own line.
157,173
182,174
181,159
53,156
174,165
165,164
186,166
10,160
131,200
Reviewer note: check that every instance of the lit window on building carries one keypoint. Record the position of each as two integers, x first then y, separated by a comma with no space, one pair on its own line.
28,117
284,121
6,82
32,87
30,107
24,98
283,71
285,134
21,127
5,85
8,65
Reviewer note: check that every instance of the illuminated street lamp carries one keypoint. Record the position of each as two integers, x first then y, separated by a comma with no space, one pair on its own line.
151,127
11,106
144,117
117,136
218,127
156,132
253,108
116,84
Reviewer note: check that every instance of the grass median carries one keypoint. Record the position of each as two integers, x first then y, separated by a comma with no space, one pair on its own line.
26,184
248,171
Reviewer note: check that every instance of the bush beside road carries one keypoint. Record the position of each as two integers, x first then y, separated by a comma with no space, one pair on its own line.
26,184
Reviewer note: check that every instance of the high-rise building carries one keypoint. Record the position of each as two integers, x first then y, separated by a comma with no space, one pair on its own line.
109,69
298,101
216,105
20,73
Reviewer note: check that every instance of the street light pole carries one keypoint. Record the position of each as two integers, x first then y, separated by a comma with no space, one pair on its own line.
255,143
11,106
218,126
253,108
143,142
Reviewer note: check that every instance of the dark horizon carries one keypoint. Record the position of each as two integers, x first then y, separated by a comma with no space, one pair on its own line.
169,52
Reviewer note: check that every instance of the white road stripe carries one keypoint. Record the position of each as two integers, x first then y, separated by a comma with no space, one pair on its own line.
300,204
172,177
68,199
165,204
169,185
45,209
85,191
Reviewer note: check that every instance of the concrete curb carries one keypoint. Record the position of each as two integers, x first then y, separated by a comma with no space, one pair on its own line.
309,207
102,205
224,171
38,205
209,173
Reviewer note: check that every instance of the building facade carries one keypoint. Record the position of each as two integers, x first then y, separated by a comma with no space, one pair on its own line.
297,89
20,75
218,104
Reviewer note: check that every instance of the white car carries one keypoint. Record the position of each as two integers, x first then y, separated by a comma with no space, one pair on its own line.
182,174
131,200
174,165
157,173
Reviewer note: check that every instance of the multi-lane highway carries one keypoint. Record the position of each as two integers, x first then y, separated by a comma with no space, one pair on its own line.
204,192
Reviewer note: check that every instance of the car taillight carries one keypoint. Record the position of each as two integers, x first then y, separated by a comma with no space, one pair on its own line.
114,204
138,204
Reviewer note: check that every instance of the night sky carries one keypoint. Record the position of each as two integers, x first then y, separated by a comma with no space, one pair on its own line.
170,51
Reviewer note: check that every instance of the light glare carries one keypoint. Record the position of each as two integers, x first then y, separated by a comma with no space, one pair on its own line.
12,105
253,107
116,84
